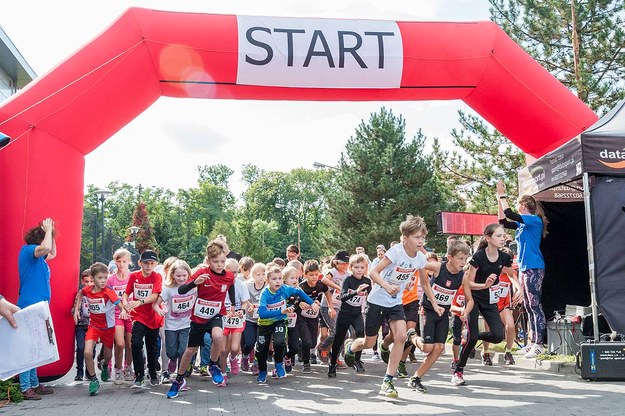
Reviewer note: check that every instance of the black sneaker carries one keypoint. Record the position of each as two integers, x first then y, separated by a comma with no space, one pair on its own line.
486,360
78,378
359,366
508,359
332,370
415,383
313,359
409,335
453,365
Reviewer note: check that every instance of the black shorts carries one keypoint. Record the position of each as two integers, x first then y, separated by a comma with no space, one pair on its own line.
411,310
375,314
196,335
435,328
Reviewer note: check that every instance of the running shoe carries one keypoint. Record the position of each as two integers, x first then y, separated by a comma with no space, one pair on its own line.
401,370
203,371
457,379
176,387
105,375
262,377
255,368
288,366
332,370
524,350
453,365
412,357
388,388
245,363
139,384
359,366
324,356
78,378
234,366
165,377
218,378
350,358
486,359
409,334
94,387
155,381
535,351
119,376
313,359
415,383
384,353
129,375
508,359
341,364
306,369
280,372
375,356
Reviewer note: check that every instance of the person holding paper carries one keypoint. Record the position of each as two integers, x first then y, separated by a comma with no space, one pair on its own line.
7,309
34,272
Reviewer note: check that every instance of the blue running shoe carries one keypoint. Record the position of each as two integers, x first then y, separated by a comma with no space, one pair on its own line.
280,370
174,389
262,377
216,375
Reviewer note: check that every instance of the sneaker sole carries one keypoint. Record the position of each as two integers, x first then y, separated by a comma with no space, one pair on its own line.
389,394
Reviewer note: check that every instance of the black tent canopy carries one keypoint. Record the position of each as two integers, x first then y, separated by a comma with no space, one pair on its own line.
582,187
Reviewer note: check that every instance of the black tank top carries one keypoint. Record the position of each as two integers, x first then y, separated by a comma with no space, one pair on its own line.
444,286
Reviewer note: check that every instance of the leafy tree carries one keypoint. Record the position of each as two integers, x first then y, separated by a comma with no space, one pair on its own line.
145,237
217,175
382,177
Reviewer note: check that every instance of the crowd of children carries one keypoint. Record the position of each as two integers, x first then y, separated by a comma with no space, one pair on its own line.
240,315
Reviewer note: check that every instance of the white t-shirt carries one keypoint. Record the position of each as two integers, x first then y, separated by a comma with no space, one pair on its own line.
241,294
398,273
179,308
335,294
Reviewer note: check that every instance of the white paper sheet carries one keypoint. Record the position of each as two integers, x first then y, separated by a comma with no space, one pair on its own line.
31,345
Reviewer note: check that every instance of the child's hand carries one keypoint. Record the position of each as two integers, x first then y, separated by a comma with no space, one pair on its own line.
391,289
304,306
76,317
331,312
250,309
201,279
490,280
464,316
131,305
439,310
47,225
239,312
315,307
289,310
123,315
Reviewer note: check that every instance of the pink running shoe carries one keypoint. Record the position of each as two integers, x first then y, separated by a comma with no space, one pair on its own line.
255,370
234,366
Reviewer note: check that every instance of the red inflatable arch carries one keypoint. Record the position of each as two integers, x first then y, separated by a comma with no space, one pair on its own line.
67,113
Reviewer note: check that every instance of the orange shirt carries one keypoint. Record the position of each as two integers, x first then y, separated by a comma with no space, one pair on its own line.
411,292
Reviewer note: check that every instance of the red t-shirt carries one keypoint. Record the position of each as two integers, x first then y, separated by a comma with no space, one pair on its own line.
141,287
101,306
210,295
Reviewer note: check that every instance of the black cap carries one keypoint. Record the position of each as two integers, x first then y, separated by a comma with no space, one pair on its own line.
342,256
149,255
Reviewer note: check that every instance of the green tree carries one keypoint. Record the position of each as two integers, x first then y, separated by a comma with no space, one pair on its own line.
145,237
382,177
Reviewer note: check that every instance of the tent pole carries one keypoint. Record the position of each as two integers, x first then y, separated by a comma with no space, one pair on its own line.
591,259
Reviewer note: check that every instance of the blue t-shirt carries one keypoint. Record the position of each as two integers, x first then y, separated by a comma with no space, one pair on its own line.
34,277
528,237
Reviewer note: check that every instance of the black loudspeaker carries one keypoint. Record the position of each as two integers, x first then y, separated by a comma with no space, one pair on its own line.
587,325
602,360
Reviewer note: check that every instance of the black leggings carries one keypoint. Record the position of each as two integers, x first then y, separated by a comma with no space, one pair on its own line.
494,335
250,333
293,341
277,333
343,322
308,332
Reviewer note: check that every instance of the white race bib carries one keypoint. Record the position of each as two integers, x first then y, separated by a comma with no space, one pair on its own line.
401,275
143,290
96,305
310,313
461,301
280,306
498,291
443,296
181,304
206,309
254,314
336,297
292,317
356,300
120,290
234,322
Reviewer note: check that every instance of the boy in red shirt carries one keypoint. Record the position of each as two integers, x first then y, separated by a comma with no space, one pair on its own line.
144,286
212,283
102,301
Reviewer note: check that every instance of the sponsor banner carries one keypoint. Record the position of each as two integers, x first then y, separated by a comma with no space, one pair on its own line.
557,167
319,53
570,192
604,155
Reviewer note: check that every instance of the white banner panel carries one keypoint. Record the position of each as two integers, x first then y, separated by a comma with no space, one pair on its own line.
319,53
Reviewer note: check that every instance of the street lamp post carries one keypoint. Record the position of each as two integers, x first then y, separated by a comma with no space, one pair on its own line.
102,195
318,165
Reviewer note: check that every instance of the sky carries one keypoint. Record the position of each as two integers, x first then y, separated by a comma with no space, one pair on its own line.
180,134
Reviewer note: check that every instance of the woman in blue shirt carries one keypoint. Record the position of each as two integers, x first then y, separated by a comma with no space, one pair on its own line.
530,224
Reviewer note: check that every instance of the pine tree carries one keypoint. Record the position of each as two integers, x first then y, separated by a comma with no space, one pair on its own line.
145,237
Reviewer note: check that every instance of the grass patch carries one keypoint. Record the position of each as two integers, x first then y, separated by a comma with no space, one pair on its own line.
556,357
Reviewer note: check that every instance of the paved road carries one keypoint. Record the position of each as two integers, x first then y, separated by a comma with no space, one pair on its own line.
490,391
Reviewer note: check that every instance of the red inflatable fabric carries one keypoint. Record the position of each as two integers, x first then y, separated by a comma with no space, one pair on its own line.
145,54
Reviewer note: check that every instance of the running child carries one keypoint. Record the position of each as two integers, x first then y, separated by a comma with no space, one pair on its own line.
272,322
82,324
212,283
123,327
234,322
145,286
390,277
447,279
290,277
245,268
102,302
177,311
255,285
353,294
485,267
308,319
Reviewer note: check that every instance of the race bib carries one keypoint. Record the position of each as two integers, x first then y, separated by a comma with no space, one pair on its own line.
336,297
443,296
412,284
280,306
96,305
498,291
292,317
120,290
461,301
254,314
356,300
401,275
206,309
310,313
234,322
181,304
143,291
85,307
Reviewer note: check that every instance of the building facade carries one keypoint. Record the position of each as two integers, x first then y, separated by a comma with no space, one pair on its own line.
15,73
